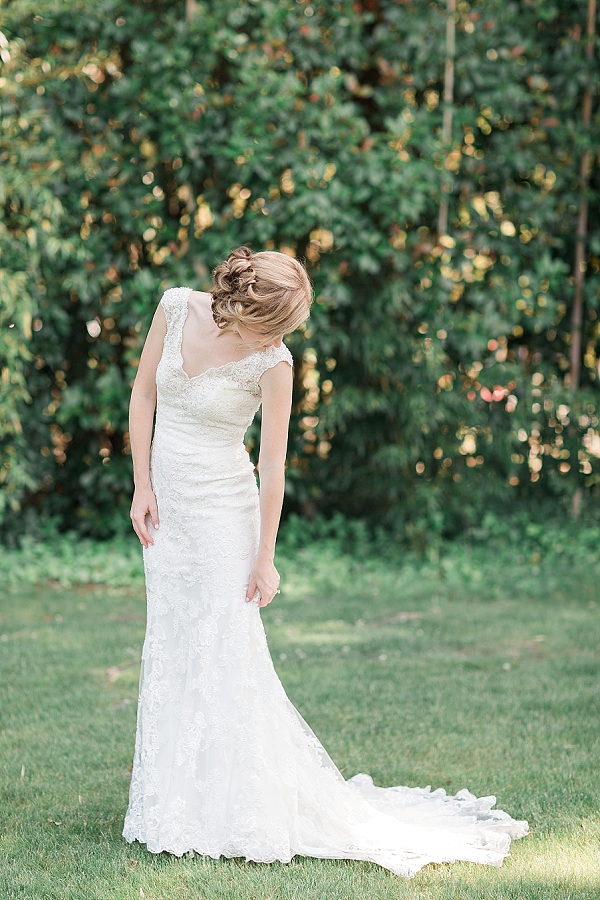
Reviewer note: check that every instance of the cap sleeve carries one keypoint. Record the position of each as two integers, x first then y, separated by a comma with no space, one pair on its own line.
272,356
173,302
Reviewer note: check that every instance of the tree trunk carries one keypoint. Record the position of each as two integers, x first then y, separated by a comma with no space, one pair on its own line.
584,174
190,9
447,120
576,502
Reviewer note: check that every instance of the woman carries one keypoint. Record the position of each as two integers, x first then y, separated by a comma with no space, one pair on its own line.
224,764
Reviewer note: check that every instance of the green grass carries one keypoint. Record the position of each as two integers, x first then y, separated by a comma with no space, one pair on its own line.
494,687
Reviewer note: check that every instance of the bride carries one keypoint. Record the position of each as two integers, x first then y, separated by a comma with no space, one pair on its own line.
224,765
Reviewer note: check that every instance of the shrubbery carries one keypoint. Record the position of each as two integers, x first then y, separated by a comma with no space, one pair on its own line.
433,381
517,545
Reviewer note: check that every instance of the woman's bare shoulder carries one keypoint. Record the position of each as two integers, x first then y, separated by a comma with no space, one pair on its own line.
200,299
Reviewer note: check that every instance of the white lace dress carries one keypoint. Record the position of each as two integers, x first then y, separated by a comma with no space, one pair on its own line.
224,765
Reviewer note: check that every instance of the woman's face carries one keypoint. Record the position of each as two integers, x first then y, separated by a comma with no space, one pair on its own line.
257,340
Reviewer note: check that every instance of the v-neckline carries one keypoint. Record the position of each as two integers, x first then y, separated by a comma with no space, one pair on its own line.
233,362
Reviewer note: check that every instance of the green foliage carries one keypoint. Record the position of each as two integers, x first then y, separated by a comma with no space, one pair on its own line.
517,539
523,546
432,381
68,559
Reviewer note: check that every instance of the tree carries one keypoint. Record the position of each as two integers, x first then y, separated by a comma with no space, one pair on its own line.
142,143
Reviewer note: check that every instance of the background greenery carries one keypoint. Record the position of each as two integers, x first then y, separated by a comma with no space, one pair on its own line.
476,669
433,380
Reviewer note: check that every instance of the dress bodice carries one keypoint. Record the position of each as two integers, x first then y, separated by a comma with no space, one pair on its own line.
217,406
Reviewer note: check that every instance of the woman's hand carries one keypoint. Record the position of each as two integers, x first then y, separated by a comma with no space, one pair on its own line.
264,578
143,504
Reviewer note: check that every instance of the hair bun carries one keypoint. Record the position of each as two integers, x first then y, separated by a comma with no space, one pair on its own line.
240,253
235,276
268,291
233,284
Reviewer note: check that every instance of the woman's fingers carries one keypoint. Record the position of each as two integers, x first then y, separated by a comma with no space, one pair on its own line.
154,513
135,528
140,533
144,514
252,588
266,587
143,526
268,596
140,527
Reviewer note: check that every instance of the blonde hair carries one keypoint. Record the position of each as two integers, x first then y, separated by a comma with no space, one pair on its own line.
266,291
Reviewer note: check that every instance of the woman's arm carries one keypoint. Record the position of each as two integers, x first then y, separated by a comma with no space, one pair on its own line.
276,384
141,420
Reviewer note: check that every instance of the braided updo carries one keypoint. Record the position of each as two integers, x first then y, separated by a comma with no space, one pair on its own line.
268,292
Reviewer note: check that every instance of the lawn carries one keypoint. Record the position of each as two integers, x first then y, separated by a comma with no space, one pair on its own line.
479,670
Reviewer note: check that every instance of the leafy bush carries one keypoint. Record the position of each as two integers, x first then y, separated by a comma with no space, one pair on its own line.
432,382
69,559
517,545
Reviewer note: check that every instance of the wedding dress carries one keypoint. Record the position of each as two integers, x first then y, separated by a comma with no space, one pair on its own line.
224,765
